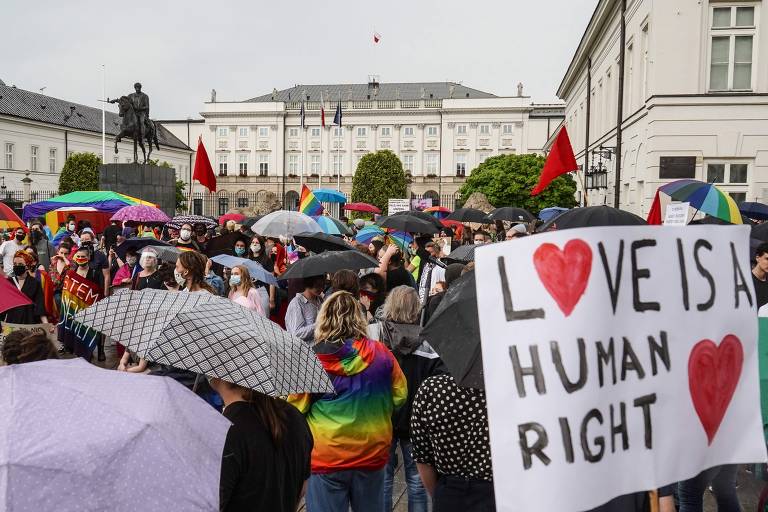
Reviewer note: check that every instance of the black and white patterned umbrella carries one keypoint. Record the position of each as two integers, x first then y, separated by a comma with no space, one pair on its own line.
180,220
209,335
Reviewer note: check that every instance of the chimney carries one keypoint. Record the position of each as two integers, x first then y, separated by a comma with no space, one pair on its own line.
373,85
213,95
519,89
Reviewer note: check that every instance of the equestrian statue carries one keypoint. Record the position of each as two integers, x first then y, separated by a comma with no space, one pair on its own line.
136,124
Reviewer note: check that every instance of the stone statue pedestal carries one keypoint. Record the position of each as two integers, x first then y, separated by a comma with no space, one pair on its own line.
147,182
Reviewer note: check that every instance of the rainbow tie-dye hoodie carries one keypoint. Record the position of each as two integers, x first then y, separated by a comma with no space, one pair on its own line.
353,427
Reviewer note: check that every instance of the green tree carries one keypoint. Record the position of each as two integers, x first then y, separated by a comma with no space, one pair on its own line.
80,172
507,180
379,176
181,197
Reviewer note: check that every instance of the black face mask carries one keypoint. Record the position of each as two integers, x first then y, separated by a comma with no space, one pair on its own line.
36,236
19,270
19,236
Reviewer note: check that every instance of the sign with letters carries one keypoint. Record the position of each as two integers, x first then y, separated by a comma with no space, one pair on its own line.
676,214
617,360
398,205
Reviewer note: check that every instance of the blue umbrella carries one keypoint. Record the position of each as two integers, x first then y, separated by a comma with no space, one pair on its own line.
66,423
257,271
548,213
328,195
331,226
757,211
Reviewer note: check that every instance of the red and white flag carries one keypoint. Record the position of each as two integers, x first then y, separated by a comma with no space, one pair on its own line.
376,37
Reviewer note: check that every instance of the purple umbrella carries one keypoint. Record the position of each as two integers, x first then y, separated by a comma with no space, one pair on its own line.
76,437
141,214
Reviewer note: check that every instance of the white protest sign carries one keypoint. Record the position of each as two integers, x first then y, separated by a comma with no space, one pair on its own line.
676,214
617,360
398,205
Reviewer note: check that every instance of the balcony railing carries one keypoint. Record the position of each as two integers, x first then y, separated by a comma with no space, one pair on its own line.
263,144
330,106
222,144
242,144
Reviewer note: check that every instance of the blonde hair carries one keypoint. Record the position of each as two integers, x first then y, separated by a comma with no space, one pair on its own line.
340,318
402,305
245,279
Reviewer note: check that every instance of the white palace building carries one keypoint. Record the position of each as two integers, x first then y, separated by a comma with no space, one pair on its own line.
694,98
439,130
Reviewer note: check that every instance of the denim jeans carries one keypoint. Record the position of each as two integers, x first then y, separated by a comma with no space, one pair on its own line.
723,480
338,491
417,495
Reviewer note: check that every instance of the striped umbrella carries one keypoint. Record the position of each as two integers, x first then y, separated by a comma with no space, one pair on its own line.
9,220
100,200
332,226
705,197
368,233
401,239
439,212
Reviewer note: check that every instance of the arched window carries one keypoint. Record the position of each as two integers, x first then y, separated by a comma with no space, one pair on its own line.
292,200
431,194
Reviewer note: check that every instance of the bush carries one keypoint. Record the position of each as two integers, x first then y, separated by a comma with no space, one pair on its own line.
379,176
80,172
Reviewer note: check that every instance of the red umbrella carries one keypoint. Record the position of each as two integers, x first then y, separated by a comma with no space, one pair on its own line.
10,296
361,207
451,223
231,216
9,220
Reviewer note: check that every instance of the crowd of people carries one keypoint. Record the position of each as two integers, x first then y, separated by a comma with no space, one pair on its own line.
394,398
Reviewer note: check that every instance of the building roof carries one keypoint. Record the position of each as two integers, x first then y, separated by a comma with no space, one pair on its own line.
33,106
386,91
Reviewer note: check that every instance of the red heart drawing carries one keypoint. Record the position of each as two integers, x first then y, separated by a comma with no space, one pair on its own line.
713,373
564,273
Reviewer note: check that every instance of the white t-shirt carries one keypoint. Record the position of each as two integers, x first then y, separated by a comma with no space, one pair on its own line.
7,250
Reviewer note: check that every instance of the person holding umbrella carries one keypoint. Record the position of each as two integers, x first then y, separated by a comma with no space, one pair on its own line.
352,427
242,291
267,453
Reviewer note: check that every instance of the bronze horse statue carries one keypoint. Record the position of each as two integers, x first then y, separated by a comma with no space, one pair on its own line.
130,128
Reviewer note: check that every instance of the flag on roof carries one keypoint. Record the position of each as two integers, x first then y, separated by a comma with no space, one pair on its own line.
308,203
376,37
302,115
337,115
322,110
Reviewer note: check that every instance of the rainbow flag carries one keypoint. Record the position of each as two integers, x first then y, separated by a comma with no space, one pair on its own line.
308,204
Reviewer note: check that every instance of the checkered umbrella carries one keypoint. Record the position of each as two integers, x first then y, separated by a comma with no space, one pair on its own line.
209,335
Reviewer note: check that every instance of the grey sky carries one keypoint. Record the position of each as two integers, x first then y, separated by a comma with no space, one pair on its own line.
180,50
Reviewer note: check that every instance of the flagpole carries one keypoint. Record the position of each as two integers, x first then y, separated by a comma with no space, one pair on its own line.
338,149
103,113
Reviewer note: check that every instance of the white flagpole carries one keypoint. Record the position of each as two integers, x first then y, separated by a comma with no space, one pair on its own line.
103,114
338,149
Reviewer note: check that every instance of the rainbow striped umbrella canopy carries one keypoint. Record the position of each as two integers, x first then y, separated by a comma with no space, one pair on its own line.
705,197
368,233
9,220
439,212
100,200
331,226
401,239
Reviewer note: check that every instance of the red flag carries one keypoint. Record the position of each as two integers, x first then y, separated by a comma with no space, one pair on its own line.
559,161
10,296
376,37
654,215
203,171
322,110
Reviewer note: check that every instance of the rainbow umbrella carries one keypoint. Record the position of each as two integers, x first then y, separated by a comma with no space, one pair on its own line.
331,226
704,197
439,212
401,239
368,233
9,220
101,200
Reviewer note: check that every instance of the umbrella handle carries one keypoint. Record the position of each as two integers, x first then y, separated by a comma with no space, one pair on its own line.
197,381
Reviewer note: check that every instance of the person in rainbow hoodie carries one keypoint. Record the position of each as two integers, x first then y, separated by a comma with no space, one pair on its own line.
352,428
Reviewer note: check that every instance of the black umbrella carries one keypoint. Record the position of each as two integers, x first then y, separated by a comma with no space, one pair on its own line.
423,216
454,332
224,244
408,223
329,262
462,254
321,242
757,211
718,221
468,215
511,214
760,232
250,221
592,216
136,244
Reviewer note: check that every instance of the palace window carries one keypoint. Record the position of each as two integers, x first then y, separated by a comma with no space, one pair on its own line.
732,33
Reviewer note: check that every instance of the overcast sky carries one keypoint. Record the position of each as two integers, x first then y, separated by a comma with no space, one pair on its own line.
180,50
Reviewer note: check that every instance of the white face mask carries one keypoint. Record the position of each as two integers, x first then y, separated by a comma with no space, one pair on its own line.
479,242
255,248
180,279
71,227
131,260
185,234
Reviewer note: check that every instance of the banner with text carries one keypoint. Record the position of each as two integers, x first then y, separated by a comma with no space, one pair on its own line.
617,360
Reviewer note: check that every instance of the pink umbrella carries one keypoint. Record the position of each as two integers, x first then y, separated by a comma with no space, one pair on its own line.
10,296
141,214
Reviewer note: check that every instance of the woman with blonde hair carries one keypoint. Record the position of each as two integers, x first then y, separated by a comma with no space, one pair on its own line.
352,428
242,291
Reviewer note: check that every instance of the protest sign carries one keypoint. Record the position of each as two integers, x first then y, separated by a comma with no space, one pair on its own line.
421,204
676,214
617,360
398,205
35,328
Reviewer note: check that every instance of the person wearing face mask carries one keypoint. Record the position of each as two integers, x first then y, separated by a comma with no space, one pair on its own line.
22,266
126,271
60,264
111,233
9,249
98,261
201,237
190,273
69,230
257,252
82,288
240,249
42,275
302,310
39,241
242,291
185,240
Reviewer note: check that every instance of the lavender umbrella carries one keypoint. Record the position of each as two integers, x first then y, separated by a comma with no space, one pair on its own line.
141,214
77,437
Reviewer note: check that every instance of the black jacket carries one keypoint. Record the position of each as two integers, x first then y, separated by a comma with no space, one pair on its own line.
417,360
